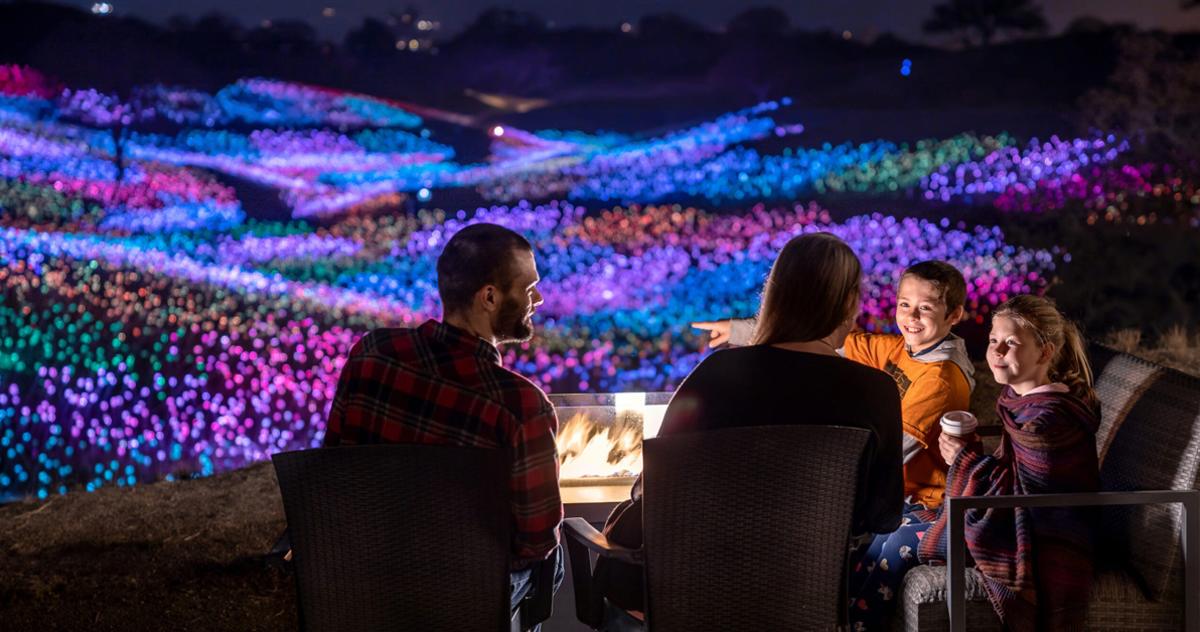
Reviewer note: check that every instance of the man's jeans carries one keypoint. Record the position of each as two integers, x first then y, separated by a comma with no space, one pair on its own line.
523,583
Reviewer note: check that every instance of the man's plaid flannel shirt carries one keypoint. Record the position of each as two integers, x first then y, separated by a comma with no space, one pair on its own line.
438,384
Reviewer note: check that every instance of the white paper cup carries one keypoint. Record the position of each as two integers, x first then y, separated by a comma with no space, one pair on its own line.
959,423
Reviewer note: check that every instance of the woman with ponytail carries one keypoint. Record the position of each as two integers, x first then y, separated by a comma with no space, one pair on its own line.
1036,562
792,374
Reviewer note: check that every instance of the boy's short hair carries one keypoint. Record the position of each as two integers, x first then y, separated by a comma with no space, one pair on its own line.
945,278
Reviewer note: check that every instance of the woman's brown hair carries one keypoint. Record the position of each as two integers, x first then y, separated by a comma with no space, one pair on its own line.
1040,317
811,290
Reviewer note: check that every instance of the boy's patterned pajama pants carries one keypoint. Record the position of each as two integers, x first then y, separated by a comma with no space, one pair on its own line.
877,569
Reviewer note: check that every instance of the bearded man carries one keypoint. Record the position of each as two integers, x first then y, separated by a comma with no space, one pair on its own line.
443,383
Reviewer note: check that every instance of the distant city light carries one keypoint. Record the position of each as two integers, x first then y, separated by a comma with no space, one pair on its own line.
424,195
847,35
906,67
328,12
102,8
497,131
413,44
626,27
401,44
266,24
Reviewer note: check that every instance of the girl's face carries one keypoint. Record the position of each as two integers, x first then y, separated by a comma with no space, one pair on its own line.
1015,356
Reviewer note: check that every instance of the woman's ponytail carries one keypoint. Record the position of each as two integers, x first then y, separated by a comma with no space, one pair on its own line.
1071,366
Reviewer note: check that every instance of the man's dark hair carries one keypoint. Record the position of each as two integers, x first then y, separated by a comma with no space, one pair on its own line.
478,255
946,279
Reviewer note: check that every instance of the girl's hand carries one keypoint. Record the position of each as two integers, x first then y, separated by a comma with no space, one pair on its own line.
951,445
718,331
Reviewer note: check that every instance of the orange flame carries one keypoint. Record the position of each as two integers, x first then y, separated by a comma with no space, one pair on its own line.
589,450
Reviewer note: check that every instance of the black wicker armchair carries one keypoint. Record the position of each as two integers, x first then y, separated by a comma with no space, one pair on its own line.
404,537
745,529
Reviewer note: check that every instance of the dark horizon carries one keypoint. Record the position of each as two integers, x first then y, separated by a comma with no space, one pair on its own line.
865,18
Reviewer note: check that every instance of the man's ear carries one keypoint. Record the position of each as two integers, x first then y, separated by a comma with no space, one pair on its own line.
956,316
488,298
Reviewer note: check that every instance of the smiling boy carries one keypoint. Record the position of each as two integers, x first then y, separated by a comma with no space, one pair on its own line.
929,364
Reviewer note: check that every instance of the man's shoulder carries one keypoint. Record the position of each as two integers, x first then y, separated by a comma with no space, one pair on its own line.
517,392
385,339
386,346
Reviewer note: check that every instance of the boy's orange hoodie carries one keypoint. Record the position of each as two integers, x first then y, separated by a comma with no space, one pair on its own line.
931,383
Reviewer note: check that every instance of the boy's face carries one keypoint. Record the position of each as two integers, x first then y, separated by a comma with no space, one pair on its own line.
921,314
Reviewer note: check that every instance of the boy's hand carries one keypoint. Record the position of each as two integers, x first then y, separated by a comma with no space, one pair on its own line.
950,446
718,331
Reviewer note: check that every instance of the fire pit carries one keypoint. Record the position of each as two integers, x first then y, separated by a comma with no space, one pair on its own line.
600,442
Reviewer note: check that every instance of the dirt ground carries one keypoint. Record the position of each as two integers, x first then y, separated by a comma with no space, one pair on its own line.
186,555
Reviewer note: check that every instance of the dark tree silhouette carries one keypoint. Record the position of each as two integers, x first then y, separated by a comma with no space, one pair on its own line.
372,39
215,24
983,20
1150,97
179,24
669,26
284,36
759,22
504,25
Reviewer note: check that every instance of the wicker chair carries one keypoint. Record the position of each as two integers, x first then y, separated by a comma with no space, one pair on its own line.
745,529
1149,439
403,537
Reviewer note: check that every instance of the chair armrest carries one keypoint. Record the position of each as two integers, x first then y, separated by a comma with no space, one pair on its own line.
538,605
582,540
580,530
1079,499
957,506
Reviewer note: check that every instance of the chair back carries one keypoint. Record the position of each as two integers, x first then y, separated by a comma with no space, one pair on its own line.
400,537
747,528
1149,438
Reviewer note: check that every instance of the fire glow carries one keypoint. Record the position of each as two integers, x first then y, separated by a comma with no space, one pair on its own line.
601,443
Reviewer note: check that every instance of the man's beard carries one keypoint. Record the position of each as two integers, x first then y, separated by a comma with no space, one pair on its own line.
512,323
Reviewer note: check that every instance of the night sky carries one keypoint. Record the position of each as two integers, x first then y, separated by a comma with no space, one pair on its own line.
902,17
